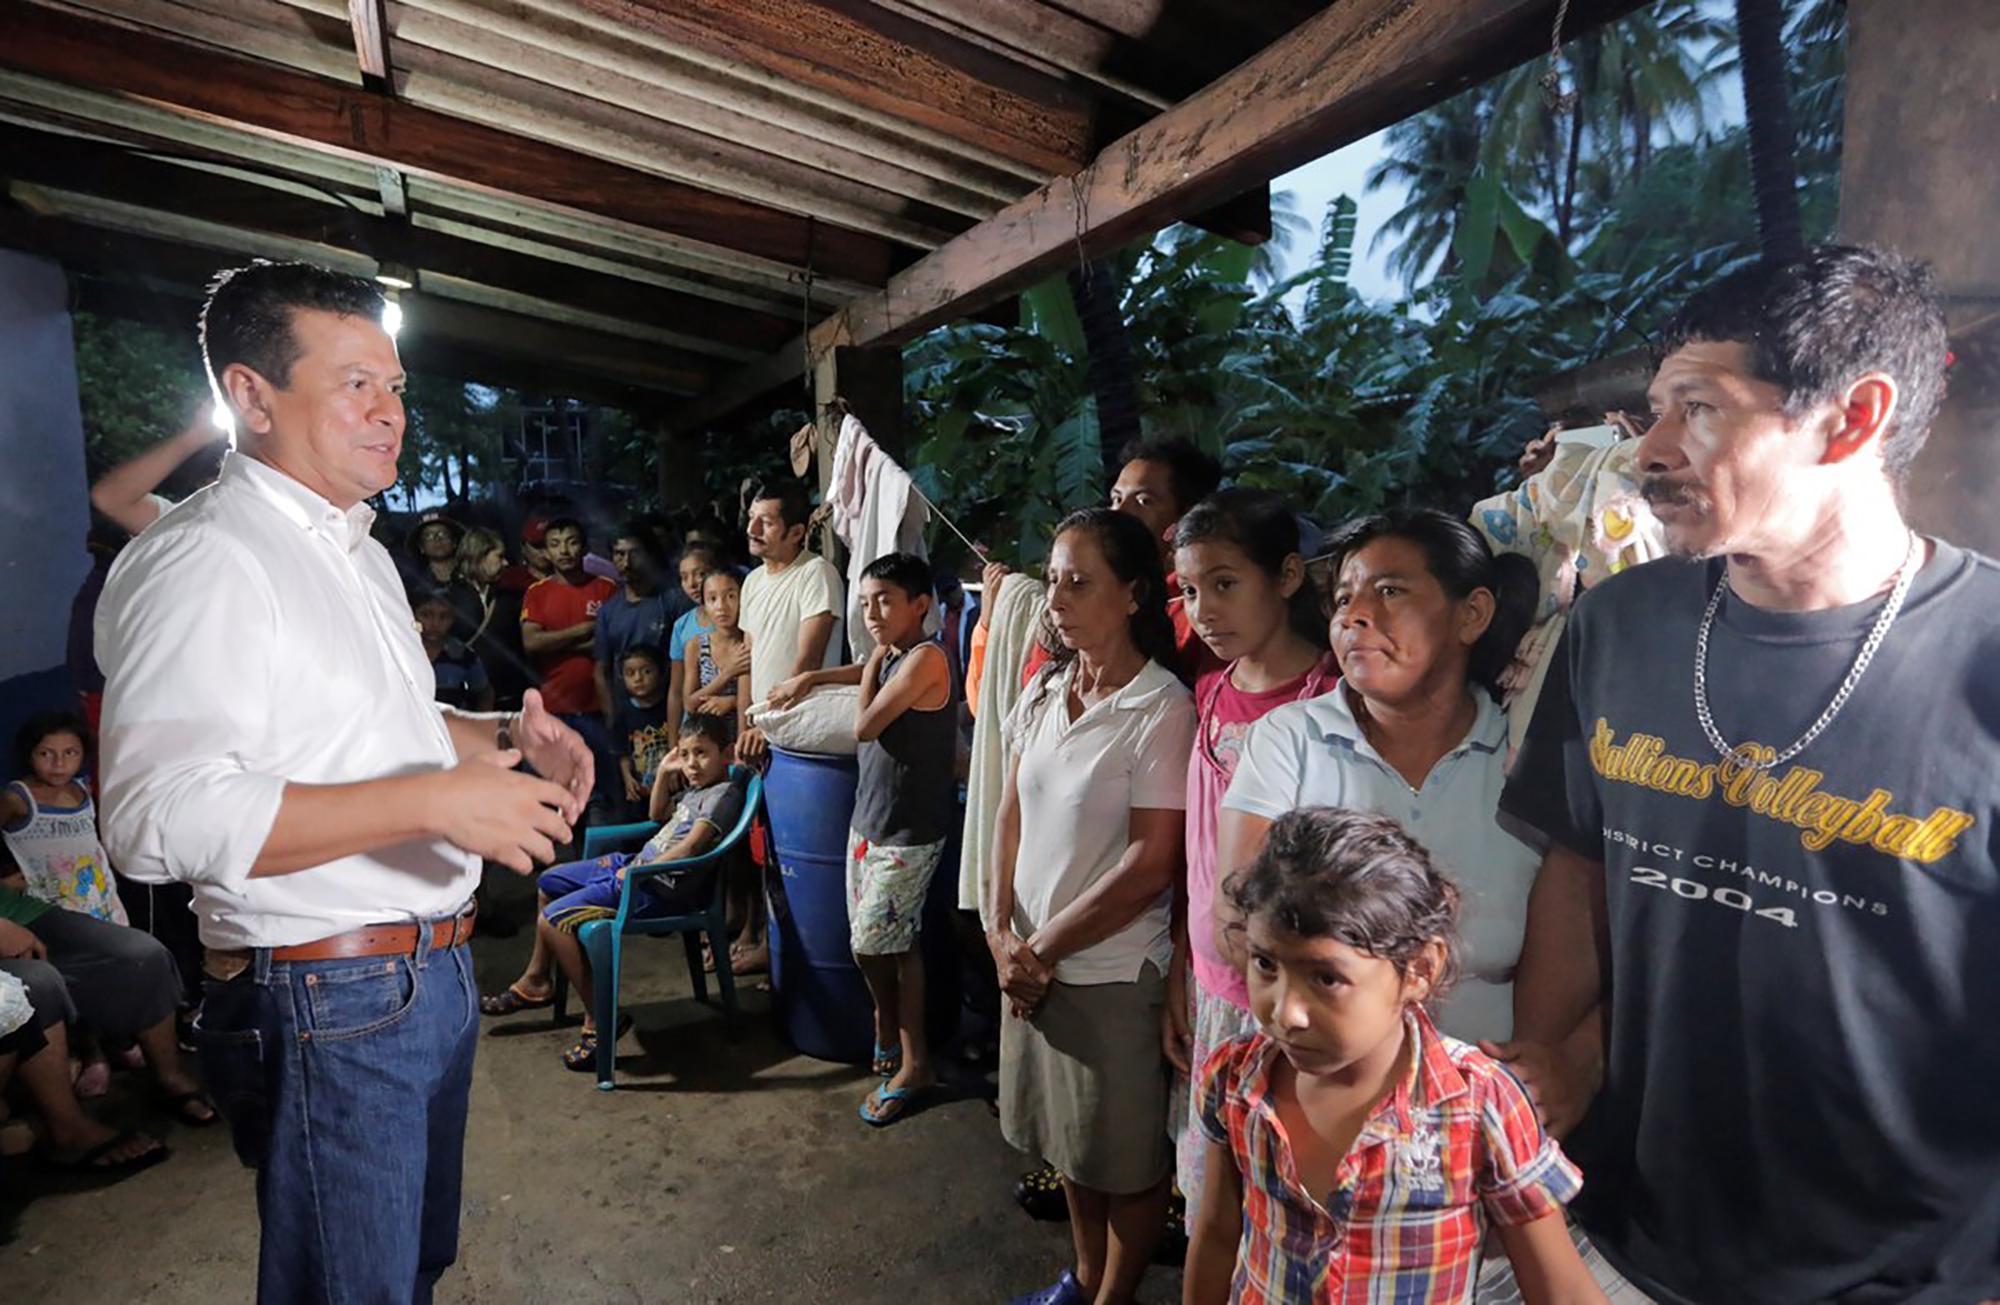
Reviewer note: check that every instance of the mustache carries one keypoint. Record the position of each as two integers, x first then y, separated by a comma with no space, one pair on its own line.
1658,490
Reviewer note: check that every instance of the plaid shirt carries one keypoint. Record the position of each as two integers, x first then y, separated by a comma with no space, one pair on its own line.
1456,1144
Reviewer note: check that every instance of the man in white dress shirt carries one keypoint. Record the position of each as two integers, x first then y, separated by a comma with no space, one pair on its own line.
270,738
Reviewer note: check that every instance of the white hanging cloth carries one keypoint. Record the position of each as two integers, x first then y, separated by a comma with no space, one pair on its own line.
875,509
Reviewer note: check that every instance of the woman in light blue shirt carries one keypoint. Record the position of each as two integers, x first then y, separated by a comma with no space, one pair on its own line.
1424,620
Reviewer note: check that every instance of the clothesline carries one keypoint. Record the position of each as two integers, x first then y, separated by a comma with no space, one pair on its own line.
978,550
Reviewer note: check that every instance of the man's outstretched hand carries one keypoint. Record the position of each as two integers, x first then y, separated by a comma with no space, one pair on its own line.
498,813
557,752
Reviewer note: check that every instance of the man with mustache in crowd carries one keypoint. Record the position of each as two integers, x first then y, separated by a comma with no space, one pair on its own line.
1764,771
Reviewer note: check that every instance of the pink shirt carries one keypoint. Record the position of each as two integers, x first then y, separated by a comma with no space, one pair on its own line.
1226,714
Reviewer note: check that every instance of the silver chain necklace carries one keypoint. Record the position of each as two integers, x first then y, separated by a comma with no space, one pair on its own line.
1904,576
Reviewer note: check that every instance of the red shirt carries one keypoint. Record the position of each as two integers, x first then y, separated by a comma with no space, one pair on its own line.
569,686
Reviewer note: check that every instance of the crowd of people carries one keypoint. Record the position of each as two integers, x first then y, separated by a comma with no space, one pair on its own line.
1455,905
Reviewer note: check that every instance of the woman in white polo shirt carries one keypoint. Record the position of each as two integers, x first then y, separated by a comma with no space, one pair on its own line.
1424,620
1086,849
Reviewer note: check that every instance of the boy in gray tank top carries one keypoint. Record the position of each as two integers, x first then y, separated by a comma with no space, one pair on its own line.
905,804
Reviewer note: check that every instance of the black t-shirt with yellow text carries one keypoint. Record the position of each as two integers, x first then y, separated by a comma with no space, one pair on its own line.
1799,1098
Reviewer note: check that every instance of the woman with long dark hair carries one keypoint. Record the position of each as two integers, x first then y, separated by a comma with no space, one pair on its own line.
1087,846
487,615
1424,619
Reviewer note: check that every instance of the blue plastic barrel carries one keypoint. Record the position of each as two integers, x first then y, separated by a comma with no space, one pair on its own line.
822,1001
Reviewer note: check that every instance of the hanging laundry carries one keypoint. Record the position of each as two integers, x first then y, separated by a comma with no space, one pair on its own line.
876,510
1581,519
1017,609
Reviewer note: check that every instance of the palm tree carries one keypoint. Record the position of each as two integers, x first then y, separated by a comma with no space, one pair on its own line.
1434,156
1632,82
1767,108
1628,81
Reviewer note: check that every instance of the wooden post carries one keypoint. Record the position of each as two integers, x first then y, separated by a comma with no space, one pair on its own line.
1916,176
869,382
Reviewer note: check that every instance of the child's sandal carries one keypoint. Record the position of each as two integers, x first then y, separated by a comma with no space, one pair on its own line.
582,1054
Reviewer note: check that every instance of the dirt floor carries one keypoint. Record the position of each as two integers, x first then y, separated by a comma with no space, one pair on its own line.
719,1171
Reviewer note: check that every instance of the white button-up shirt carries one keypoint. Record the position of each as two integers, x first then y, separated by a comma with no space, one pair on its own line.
1314,753
1080,782
257,636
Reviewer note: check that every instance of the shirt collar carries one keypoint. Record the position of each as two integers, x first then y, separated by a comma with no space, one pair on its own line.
348,529
1334,717
1141,690
1433,1079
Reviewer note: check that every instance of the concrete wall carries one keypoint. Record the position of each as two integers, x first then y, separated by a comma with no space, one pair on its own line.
44,498
1918,174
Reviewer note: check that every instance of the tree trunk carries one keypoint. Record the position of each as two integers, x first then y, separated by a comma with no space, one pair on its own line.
1566,215
1773,173
1112,371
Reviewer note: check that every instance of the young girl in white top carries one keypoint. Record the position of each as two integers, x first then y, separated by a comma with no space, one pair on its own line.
50,823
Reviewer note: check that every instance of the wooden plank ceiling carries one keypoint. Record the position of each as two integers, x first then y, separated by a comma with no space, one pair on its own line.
640,199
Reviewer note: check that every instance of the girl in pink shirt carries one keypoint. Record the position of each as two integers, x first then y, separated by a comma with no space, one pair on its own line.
1247,598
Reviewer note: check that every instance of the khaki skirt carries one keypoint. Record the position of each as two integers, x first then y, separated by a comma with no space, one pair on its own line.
1083,1084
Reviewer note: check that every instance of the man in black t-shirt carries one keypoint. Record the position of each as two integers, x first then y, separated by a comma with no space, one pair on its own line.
1767,769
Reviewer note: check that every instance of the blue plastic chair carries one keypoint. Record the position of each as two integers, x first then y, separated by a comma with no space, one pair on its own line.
604,940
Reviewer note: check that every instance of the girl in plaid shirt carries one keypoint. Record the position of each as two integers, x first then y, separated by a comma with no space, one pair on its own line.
1355,1154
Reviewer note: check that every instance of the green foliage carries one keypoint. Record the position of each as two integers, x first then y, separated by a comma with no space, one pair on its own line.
137,383
1542,239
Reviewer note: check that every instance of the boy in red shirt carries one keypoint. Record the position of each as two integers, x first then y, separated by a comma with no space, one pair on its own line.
558,624
559,618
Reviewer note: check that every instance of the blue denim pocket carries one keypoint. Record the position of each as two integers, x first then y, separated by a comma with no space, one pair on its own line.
233,1065
354,1000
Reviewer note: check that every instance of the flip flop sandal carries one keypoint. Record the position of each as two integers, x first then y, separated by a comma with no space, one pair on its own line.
889,1104
93,1082
179,1105
887,1061
1040,1193
582,1055
511,999
88,1162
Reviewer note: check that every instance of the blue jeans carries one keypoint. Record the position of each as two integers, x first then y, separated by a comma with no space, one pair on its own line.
345,1086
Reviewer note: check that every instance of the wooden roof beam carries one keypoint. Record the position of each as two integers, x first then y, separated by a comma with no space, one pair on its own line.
859,52
371,42
371,127
462,340
118,174
1355,68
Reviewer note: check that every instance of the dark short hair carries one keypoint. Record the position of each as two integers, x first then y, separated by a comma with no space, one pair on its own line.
794,507
247,317
1355,877
423,594
565,523
906,571
649,651
1192,474
40,726
709,551
1815,324
643,534
1459,559
716,729
1259,524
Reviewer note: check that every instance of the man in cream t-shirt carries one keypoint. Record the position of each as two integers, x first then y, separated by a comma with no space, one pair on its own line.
791,604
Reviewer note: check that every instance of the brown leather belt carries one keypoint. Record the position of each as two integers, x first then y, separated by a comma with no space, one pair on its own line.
371,940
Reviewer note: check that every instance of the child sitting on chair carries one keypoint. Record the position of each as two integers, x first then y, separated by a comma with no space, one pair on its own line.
572,895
